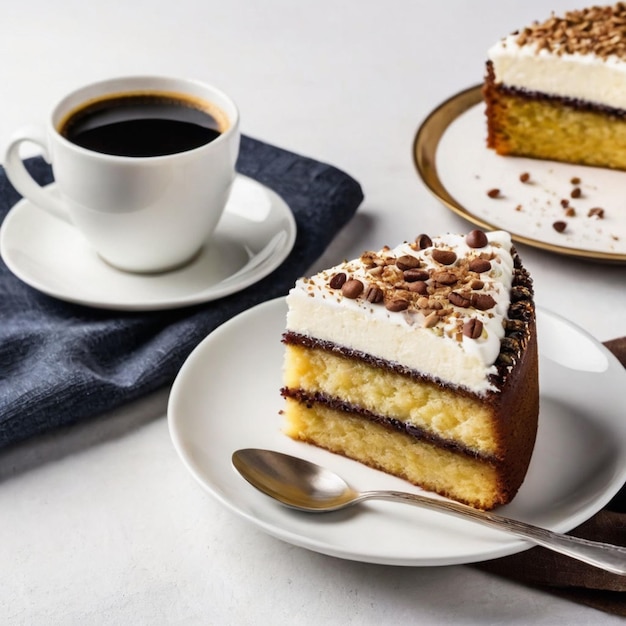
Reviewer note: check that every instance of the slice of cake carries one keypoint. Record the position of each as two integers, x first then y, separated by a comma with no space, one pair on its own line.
420,361
557,89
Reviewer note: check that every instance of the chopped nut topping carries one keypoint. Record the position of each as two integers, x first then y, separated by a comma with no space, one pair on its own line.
431,320
412,284
524,177
596,212
576,192
369,259
493,193
559,226
597,30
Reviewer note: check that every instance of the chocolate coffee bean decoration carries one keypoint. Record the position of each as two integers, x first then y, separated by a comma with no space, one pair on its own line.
352,288
445,257
479,265
338,280
476,239
473,328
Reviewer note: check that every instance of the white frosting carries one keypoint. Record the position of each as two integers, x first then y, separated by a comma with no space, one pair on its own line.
441,352
583,76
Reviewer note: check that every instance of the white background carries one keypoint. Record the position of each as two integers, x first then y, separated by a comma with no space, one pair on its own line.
103,524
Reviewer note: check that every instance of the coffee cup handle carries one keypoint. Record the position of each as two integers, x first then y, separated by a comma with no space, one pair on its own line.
22,180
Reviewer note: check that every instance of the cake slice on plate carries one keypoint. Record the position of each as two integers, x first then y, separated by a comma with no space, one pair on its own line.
420,361
557,89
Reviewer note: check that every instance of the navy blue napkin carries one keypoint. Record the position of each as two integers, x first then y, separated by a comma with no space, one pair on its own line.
62,363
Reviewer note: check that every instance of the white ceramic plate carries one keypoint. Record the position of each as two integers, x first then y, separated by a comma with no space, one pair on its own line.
254,236
453,160
579,461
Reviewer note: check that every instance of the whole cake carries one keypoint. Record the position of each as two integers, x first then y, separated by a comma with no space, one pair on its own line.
420,361
557,89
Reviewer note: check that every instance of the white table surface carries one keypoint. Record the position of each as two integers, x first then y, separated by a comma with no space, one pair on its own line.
102,524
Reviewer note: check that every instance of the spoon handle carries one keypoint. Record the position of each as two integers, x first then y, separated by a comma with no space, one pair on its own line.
603,555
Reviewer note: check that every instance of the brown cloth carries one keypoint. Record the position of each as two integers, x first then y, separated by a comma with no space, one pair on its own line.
543,569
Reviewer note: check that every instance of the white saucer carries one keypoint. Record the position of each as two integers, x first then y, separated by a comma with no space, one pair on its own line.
254,236
578,464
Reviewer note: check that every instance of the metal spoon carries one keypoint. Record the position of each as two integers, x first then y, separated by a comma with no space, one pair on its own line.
305,486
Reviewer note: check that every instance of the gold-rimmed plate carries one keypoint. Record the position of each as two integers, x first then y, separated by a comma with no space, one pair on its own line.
453,161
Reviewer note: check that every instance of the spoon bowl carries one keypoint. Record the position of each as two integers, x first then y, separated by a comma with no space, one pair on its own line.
305,486
294,482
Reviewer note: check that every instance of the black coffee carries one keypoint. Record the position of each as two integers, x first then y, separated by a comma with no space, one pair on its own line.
143,125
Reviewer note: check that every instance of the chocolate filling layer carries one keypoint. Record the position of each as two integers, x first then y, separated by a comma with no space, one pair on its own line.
320,344
410,430
572,103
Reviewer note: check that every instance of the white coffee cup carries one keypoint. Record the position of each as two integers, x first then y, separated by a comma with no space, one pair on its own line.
140,213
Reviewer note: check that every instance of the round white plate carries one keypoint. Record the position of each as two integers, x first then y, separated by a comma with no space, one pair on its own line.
254,236
579,461
452,158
